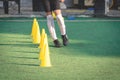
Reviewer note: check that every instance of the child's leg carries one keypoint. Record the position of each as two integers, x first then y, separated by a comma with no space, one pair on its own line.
51,26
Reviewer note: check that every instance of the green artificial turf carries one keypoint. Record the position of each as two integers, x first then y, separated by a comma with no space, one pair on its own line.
93,52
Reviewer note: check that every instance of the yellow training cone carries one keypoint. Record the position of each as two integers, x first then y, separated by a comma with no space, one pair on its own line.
42,53
36,34
45,62
45,55
42,38
47,43
44,42
33,26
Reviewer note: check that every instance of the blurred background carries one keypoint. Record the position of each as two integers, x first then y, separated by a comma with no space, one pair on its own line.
74,7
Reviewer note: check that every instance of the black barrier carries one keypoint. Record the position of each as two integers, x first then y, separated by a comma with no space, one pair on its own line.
99,8
37,5
81,4
5,5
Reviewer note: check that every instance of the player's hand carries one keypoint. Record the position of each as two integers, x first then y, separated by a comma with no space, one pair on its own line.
62,0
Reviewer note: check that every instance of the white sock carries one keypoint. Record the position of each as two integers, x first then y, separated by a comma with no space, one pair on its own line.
61,24
51,27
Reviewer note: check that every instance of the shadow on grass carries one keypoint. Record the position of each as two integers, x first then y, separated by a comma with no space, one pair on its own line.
10,56
26,45
21,64
22,57
20,45
22,49
53,46
19,59
94,49
24,42
29,52
25,64
90,31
